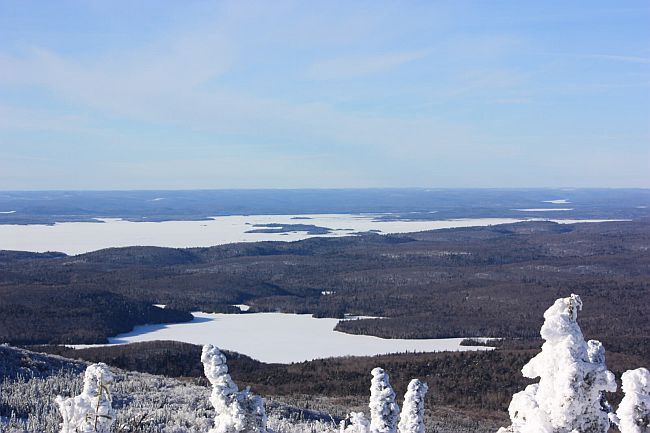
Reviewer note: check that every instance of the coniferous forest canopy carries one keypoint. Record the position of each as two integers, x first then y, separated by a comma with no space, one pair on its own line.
493,281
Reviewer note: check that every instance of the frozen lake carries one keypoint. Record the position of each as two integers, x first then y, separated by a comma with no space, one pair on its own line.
82,237
280,337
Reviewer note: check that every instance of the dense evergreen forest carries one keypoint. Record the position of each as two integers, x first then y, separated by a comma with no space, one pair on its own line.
492,281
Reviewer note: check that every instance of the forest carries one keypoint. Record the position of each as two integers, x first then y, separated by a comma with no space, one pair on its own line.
491,281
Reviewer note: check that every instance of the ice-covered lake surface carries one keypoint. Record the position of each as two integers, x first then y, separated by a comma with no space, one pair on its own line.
545,209
82,237
281,337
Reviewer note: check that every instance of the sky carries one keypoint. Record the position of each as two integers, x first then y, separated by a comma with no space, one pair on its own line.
324,94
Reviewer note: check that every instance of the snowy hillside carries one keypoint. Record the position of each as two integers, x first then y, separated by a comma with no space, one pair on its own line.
42,393
142,402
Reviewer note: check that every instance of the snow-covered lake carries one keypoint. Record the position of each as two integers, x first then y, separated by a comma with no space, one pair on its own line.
545,209
281,337
81,237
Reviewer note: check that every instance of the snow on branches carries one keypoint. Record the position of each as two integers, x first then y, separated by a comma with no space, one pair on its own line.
358,424
412,417
573,378
91,410
633,415
236,411
384,411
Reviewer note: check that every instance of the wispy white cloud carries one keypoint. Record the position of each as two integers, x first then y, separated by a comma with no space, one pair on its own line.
167,88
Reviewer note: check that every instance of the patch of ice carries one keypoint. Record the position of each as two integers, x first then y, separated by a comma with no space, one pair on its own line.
81,237
281,337
355,317
544,209
6,212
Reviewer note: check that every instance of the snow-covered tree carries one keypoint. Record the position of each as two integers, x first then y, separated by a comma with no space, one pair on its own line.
358,423
91,411
412,416
384,411
633,415
236,411
573,377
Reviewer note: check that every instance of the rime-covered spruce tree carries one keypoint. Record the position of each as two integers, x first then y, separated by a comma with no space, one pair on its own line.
91,410
573,378
412,416
236,411
384,411
633,415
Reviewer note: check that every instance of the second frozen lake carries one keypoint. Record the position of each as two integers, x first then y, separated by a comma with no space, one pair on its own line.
281,337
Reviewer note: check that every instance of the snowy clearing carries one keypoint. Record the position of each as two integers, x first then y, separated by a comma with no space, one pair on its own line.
82,237
280,337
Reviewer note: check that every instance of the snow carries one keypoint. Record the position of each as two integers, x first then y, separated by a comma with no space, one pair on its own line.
236,411
544,209
558,201
6,212
91,410
384,411
82,237
573,378
280,337
242,307
633,415
412,416
358,424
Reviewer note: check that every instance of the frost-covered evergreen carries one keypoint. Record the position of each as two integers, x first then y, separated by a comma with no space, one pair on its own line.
90,411
569,397
633,415
236,411
412,416
358,423
384,411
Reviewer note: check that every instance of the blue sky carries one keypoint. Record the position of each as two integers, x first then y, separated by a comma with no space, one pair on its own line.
276,94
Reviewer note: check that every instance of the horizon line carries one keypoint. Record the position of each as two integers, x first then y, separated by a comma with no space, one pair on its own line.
424,188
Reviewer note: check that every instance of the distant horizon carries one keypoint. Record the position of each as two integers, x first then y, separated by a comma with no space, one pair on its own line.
432,188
